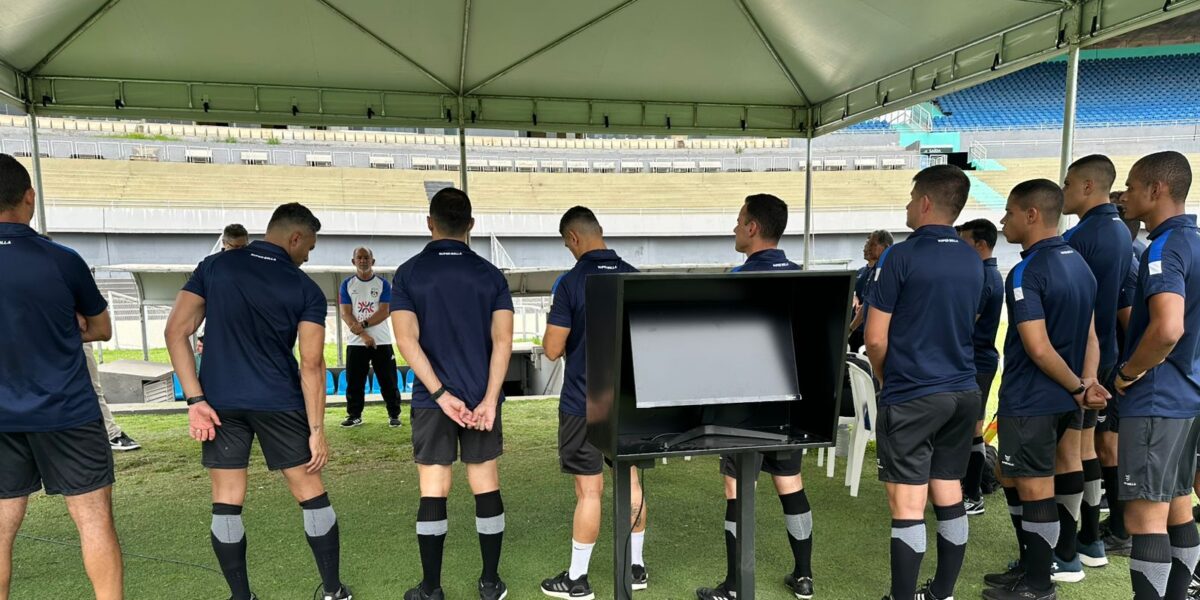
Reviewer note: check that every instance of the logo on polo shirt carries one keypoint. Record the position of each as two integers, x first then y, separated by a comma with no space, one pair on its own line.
270,258
947,241
1155,267
449,253
779,265
607,267
1018,294
5,242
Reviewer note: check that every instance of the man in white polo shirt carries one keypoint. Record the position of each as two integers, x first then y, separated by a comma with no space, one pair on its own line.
364,302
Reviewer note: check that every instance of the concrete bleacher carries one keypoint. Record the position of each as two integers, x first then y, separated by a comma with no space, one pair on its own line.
133,183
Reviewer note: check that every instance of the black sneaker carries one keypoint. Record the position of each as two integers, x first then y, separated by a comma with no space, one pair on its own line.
974,506
723,591
1008,578
394,422
123,443
343,593
1115,545
570,589
640,579
352,422
802,587
418,593
926,593
252,596
1020,591
1194,588
489,590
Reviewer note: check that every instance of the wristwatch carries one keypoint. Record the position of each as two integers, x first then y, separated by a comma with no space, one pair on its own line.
438,394
1079,390
363,323
196,400
1123,376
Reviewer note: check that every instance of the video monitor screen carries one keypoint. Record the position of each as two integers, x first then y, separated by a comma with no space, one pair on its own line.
711,354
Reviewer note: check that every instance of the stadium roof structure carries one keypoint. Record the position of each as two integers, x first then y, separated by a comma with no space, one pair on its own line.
792,68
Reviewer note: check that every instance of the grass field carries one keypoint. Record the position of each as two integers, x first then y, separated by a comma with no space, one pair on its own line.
162,511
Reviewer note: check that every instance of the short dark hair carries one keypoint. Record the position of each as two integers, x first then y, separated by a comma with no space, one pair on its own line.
946,185
1042,194
579,217
235,231
882,237
981,230
770,213
1171,168
1100,166
294,214
14,182
450,210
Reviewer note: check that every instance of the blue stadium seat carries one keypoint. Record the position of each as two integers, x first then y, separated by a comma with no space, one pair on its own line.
330,384
374,384
178,388
342,386
409,379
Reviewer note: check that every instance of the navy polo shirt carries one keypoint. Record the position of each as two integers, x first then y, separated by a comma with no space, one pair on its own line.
44,380
1129,284
862,280
1170,265
254,300
1051,283
931,284
772,259
987,358
567,310
453,293
1102,239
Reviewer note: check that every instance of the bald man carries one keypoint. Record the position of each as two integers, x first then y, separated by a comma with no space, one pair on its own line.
364,305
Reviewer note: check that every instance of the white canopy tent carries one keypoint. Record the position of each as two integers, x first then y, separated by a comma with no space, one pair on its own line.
788,68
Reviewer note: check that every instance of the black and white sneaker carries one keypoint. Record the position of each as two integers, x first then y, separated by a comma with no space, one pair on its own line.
569,589
802,587
394,422
123,443
418,593
721,592
926,593
1008,578
1194,588
343,593
640,578
252,596
352,422
492,590
1020,591
974,506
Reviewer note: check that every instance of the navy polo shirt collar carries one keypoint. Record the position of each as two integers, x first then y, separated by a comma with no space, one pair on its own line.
1100,210
768,255
1172,223
1049,242
447,244
264,247
935,231
990,262
599,255
16,230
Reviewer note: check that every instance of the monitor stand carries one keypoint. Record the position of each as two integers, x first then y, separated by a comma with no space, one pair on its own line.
719,430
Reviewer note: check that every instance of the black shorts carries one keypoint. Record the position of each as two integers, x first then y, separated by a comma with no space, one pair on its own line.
927,438
439,441
576,455
1029,445
788,466
1083,419
282,436
984,381
1109,418
70,462
1157,458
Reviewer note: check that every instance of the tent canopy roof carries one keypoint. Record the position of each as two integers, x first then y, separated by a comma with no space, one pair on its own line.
759,67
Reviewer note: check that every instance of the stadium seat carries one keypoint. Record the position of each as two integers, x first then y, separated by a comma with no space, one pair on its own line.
409,379
178,387
341,383
374,384
330,384
865,407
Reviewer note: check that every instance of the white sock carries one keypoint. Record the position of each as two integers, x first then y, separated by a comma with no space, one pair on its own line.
639,540
581,555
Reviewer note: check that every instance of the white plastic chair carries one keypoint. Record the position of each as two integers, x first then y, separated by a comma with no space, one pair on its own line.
862,390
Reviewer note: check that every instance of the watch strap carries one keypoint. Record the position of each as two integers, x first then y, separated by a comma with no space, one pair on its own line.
196,400
438,394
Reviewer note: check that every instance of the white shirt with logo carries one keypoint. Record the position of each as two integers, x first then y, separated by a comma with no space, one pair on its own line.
364,298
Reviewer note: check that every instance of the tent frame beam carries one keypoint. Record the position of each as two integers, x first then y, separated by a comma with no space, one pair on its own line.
67,41
394,50
766,41
550,46
462,64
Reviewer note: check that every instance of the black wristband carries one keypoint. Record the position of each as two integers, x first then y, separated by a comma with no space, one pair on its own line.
1079,390
363,323
196,400
438,394
1123,376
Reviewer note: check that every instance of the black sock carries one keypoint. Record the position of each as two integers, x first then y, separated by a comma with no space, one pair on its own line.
1040,524
1089,513
1185,550
229,544
321,529
431,539
731,541
1068,494
1150,566
974,478
951,547
489,523
1015,510
1116,510
908,548
798,515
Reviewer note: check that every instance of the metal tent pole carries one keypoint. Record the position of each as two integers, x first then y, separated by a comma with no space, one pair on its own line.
1068,132
462,150
37,173
808,210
